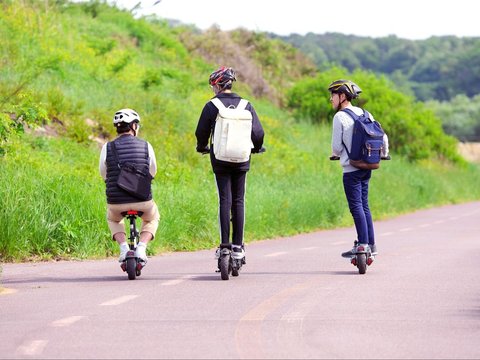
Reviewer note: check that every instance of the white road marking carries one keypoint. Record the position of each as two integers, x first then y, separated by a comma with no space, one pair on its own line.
32,348
120,300
439,221
387,233
405,229
424,225
67,321
276,254
176,281
310,248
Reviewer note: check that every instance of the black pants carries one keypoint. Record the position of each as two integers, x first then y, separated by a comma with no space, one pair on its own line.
231,196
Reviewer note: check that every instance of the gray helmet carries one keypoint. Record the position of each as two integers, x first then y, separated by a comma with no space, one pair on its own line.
346,87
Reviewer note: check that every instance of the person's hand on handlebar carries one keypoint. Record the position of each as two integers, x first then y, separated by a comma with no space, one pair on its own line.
204,150
334,157
258,151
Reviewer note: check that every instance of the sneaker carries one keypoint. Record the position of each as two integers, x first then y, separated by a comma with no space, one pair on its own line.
373,249
217,253
238,252
123,253
141,252
350,253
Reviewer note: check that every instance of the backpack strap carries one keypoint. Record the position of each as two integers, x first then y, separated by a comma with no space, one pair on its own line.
114,151
355,118
351,113
242,104
219,105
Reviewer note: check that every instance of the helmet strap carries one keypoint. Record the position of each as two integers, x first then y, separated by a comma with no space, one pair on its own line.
134,128
339,107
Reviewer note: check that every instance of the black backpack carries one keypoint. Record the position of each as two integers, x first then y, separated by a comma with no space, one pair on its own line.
367,141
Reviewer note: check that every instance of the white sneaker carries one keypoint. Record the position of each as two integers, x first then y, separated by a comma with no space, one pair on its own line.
217,253
123,252
141,252
238,252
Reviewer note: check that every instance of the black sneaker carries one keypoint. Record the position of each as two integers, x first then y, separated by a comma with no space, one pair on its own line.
351,253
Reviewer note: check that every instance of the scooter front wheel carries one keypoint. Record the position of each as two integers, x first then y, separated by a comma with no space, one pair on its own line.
131,268
224,265
362,263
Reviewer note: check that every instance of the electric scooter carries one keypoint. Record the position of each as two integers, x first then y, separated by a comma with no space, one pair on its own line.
227,264
132,265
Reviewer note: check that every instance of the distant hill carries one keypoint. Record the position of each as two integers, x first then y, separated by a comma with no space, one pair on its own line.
437,68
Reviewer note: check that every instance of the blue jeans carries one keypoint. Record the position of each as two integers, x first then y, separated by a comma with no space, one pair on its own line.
355,185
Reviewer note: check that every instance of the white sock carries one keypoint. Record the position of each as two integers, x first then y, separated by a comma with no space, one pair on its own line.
124,246
141,243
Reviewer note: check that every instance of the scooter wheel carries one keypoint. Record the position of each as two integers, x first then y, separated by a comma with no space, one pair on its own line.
131,268
362,263
224,266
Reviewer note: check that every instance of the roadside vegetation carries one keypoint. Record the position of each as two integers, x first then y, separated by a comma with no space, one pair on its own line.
66,68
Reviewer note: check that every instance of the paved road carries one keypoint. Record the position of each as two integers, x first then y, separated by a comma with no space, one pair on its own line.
295,298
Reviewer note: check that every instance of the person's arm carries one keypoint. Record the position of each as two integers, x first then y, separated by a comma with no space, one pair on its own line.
258,133
337,133
102,166
386,150
153,160
204,126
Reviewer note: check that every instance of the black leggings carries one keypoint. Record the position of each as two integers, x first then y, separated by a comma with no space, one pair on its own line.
231,195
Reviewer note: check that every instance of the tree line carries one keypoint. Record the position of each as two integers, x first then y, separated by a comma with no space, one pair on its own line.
442,71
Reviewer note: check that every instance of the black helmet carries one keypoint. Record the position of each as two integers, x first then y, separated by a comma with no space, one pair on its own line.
346,87
223,77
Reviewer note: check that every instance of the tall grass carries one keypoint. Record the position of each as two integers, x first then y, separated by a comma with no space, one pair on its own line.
87,64
54,202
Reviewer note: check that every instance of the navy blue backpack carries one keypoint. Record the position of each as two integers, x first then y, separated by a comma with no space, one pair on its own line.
367,141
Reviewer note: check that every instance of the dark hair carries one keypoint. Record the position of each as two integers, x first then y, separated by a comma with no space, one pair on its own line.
124,127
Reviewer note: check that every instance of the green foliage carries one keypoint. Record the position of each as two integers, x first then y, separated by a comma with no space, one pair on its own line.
413,130
76,64
460,116
436,68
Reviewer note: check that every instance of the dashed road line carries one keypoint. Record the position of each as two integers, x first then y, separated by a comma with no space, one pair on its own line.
276,254
32,348
120,300
66,321
176,281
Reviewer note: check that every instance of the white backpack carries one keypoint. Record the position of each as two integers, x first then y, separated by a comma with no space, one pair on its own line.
232,139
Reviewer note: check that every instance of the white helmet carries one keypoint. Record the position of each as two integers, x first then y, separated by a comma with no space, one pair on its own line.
125,115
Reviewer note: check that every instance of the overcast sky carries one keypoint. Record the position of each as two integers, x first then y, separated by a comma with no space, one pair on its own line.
408,19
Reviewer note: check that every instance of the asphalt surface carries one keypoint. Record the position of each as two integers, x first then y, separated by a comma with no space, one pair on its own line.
295,298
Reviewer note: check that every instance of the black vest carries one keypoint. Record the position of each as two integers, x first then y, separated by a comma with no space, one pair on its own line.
129,149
